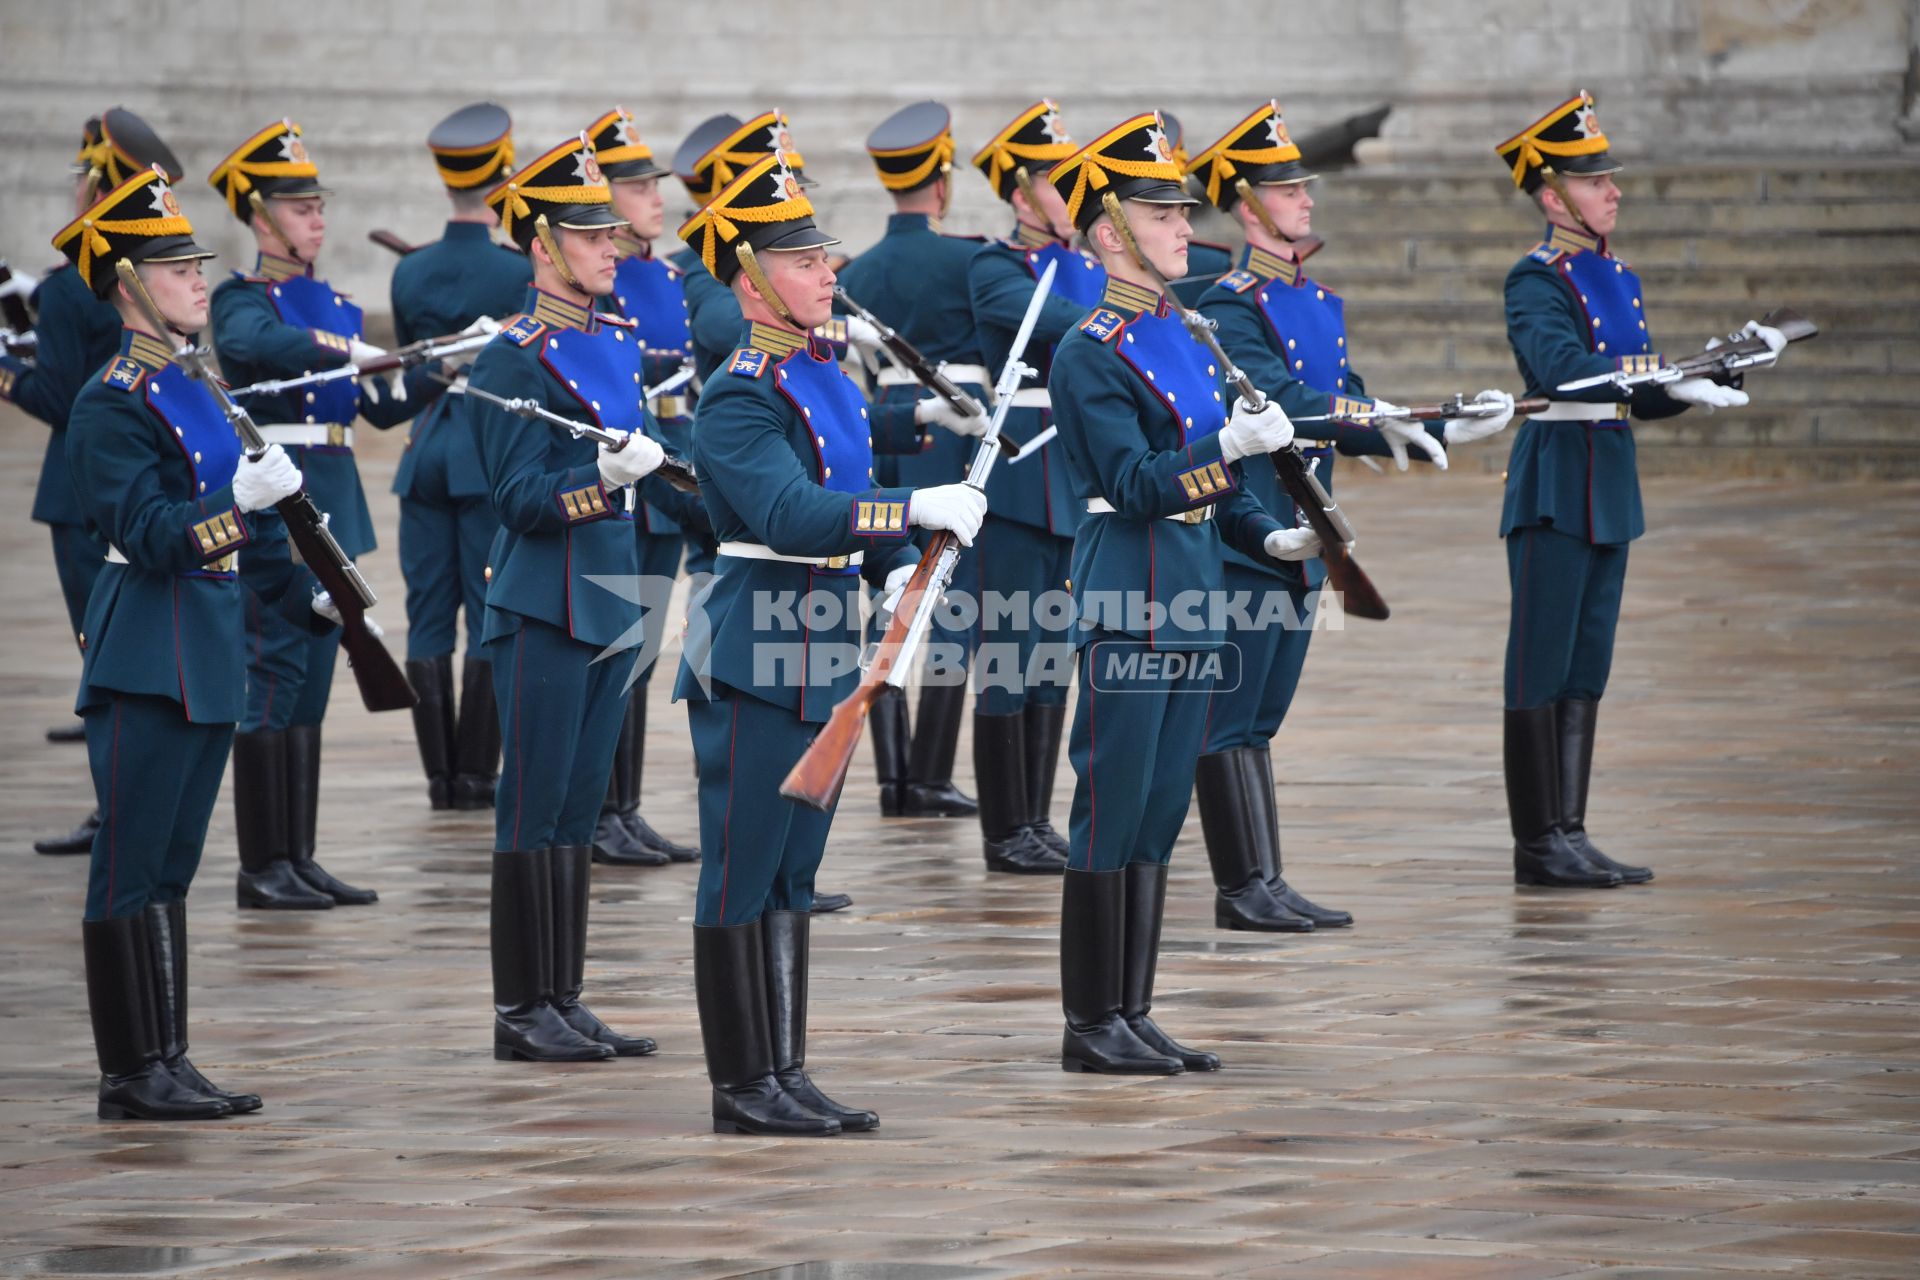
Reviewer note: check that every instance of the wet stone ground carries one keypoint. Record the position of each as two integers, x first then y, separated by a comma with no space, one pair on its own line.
1715,1076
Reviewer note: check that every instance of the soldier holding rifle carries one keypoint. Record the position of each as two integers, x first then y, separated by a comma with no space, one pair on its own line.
786,472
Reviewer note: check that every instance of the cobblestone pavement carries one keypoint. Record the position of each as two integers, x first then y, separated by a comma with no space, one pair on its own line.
1713,1076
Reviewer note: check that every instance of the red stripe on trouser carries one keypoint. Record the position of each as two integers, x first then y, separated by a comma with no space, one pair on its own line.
726,823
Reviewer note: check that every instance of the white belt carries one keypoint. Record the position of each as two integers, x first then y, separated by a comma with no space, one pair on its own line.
894,376
1032,398
760,551
1576,411
332,434
1199,515
229,563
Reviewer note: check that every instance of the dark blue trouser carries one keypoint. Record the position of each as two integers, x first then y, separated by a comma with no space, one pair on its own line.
660,555
1136,735
560,714
1018,563
1566,603
289,669
78,557
758,851
1271,657
443,554
156,775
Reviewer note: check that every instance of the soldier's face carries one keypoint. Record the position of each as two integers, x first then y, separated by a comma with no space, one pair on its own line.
1291,208
591,254
1162,231
641,204
305,225
804,279
180,291
1597,200
1051,215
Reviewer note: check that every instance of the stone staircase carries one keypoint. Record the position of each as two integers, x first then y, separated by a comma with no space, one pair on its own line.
1421,257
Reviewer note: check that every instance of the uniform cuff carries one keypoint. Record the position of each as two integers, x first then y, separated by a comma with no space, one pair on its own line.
219,533
881,513
583,497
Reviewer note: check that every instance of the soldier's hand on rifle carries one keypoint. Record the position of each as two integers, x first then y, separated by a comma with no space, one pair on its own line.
1707,394
485,324
936,411
897,580
640,456
324,606
259,483
958,507
1254,431
1467,430
863,335
363,353
1776,341
1293,544
1401,432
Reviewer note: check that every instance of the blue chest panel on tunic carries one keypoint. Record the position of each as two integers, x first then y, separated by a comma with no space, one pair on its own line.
649,293
1609,294
312,304
836,413
1179,371
1310,325
1080,279
600,369
199,427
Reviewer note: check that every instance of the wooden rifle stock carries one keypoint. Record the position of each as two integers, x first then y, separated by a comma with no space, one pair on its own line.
816,778
388,240
1359,596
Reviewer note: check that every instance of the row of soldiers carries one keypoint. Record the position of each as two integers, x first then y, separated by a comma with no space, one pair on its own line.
806,487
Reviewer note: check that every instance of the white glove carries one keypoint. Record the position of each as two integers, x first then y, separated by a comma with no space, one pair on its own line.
959,507
1776,341
1293,544
1706,394
935,411
19,285
485,324
862,335
260,483
640,456
360,353
897,578
1249,432
1467,430
323,605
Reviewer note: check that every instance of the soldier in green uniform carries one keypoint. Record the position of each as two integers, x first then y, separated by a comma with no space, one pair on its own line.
561,643
1026,549
1573,494
1154,457
1287,332
279,321
1207,261
159,474
915,279
464,281
75,333
647,291
781,444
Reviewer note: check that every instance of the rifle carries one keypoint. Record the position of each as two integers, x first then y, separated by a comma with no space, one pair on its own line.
1458,407
388,240
383,687
925,372
816,778
1738,352
414,353
1359,596
675,472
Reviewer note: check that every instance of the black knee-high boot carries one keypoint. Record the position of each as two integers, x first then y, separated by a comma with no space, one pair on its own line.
476,742
888,722
526,1025
929,791
613,843
572,868
1541,854
1044,722
736,1031
134,1083
1285,894
1232,821
1001,774
1574,717
1146,904
303,819
638,827
785,937
267,878
1093,927
166,925
433,729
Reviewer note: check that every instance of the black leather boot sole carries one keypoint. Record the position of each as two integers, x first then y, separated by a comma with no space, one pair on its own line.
825,904
277,887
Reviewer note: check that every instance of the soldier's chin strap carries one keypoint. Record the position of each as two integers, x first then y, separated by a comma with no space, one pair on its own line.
1549,176
544,231
137,290
1111,203
1303,248
750,264
946,192
265,215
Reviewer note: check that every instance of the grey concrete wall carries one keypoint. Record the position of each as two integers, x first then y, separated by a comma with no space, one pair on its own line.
1675,78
